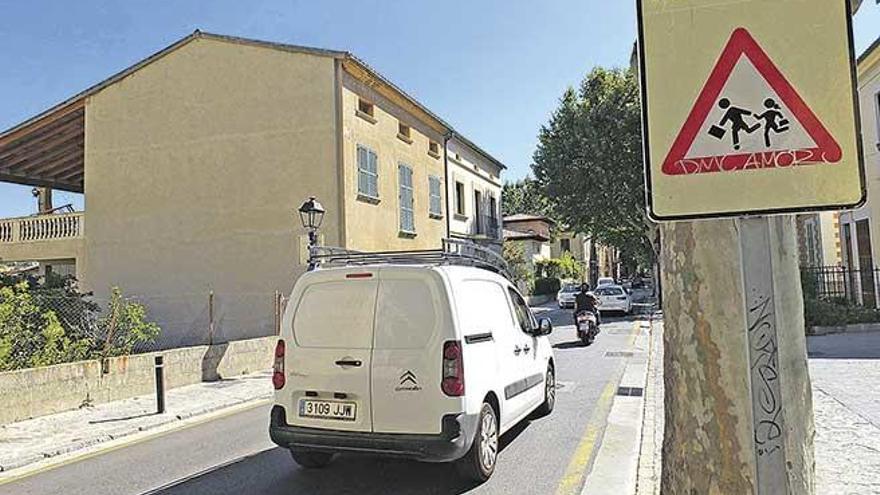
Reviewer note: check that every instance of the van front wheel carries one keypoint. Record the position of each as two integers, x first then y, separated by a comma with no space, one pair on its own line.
479,463
310,459
549,403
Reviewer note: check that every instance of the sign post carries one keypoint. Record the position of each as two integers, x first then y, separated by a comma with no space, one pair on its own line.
750,116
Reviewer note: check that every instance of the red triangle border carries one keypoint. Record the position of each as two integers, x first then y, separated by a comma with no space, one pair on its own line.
742,43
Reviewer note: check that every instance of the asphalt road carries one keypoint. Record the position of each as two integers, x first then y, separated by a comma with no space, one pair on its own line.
233,454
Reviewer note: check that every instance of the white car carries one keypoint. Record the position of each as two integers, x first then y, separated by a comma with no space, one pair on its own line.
431,362
604,281
613,298
565,296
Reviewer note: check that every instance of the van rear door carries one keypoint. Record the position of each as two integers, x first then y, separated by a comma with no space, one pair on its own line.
329,365
413,321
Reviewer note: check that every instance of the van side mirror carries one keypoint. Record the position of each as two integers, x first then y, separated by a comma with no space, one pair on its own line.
545,326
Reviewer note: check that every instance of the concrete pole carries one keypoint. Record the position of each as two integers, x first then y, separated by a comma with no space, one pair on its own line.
739,415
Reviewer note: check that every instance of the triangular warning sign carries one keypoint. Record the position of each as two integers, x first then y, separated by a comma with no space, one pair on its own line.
748,117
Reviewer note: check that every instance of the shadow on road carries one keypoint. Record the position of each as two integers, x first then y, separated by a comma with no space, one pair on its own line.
274,472
573,344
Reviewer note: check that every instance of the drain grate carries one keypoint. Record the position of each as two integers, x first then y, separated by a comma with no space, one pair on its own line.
618,354
630,391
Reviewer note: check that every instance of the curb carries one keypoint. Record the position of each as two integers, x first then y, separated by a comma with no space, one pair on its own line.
6,467
615,467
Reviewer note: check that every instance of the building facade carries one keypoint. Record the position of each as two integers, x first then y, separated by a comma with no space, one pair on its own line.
859,228
532,232
194,161
474,192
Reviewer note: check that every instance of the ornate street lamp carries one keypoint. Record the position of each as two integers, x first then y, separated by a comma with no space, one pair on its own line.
311,213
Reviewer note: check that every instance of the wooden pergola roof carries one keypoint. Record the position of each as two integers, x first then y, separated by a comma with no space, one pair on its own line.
47,152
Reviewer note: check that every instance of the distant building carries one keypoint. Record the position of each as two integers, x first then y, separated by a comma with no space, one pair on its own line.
859,228
474,195
818,239
533,233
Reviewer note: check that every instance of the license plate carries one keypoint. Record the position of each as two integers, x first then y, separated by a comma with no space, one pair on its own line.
327,409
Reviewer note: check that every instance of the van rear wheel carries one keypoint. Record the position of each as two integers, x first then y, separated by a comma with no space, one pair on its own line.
311,459
479,463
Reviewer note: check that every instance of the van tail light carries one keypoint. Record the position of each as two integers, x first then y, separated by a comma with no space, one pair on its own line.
453,369
278,377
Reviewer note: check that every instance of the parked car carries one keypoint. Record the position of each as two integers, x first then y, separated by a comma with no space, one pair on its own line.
613,298
430,362
565,296
604,281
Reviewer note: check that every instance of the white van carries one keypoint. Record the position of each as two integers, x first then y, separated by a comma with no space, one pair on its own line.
432,362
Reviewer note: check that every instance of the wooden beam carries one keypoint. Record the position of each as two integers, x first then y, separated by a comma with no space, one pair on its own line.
31,181
49,119
33,160
72,175
52,168
47,138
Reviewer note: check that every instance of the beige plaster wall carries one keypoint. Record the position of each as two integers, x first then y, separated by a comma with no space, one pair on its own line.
375,226
36,392
195,165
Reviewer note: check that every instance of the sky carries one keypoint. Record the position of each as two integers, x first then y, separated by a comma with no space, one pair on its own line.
494,69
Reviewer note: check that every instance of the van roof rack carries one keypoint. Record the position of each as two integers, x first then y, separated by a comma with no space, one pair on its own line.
452,252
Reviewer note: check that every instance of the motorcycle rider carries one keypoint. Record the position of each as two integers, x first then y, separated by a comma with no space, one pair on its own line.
586,301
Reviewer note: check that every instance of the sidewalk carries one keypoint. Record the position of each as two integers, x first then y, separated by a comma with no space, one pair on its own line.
38,439
845,371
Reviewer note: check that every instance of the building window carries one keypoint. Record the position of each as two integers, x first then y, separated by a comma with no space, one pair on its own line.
493,216
368,173
407,216
459,198
565,245
434,149
365,107
435,204
403,132
365,110
877,117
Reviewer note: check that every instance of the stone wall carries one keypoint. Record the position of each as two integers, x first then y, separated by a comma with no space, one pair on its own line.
36,392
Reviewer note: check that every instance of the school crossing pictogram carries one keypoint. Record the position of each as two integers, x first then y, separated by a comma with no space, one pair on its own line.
749,117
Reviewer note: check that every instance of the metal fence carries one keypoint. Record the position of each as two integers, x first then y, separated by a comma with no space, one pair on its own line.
98,325
858,287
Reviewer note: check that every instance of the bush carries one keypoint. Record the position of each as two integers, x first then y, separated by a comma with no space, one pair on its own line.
832,313
514,255
564,267
545,286
46,323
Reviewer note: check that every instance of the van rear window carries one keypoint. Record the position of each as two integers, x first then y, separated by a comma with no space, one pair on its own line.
336,315
406,317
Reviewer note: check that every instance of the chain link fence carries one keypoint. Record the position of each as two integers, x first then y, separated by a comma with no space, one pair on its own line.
39,328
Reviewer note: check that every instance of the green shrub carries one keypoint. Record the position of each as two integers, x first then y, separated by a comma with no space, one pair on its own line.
832,313
514,255
46,323
545,286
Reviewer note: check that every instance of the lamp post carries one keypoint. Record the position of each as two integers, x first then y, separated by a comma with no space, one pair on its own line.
311,214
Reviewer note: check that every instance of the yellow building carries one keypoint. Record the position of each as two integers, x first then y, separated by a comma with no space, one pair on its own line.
193,162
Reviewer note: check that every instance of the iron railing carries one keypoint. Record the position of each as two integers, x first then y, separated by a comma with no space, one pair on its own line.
858,287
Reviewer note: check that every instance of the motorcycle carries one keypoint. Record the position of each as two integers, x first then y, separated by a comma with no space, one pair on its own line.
587,326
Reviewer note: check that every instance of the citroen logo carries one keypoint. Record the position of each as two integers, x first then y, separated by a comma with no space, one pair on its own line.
408,376
408,383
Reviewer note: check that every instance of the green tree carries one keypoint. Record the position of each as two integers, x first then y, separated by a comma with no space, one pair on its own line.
31,336
517,265
525,197
125,326
589,160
